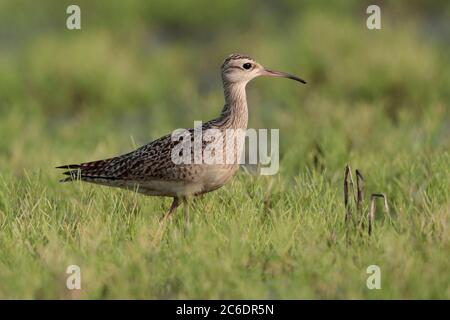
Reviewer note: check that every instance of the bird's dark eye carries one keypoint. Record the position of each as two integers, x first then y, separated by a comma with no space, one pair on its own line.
247,66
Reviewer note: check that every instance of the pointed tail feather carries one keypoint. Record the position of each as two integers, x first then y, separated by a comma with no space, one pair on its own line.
73,174
69,166
90,171
84,175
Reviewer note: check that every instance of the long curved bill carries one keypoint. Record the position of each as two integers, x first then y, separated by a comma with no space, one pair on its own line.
272,73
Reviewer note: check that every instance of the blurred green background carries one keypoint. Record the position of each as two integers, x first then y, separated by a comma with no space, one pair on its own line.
377,99
146,66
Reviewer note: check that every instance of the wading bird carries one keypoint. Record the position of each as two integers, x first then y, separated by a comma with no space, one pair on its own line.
151,170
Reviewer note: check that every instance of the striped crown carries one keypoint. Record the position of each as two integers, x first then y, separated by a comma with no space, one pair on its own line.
235,56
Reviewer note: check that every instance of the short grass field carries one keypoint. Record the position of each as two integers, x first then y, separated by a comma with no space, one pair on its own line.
378,100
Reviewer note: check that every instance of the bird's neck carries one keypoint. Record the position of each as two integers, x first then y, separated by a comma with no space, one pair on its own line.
235,112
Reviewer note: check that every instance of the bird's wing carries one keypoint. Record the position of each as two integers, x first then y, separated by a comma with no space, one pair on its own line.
149,161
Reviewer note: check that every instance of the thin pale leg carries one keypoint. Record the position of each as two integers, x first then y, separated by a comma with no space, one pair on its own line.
186,209
173,207
162,222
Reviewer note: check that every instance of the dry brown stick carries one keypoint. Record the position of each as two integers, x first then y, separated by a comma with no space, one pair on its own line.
360,194
348,212
386,206
348,176
318,157
266,199
360,189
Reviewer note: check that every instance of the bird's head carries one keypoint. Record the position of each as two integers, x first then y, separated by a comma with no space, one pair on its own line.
238,68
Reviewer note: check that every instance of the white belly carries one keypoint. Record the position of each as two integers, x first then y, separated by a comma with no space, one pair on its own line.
209,179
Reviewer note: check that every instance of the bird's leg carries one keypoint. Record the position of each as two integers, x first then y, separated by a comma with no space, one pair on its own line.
173,207
186,209
162,222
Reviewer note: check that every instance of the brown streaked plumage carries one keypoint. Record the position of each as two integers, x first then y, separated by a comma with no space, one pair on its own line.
150,169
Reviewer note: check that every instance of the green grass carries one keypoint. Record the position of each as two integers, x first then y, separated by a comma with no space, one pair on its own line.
378,100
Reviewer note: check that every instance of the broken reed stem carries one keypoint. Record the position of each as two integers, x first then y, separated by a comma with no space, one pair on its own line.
348,179
266,199
360,190
318,157
360,198
348,212
371,215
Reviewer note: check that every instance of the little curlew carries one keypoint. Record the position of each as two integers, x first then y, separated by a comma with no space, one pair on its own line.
150,169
